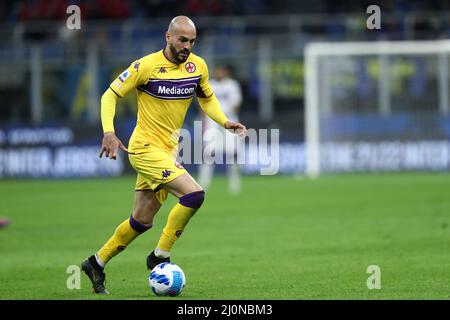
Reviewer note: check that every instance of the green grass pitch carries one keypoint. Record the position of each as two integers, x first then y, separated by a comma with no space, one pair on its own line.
281,238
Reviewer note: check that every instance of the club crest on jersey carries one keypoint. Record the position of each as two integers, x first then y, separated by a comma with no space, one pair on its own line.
124,76
190,67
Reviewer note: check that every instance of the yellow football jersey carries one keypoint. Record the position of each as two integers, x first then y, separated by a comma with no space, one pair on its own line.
164,93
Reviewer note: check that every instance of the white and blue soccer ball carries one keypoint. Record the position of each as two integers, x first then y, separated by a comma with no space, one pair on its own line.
167,279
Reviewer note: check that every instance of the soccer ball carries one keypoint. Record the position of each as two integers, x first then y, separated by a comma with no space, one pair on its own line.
167,279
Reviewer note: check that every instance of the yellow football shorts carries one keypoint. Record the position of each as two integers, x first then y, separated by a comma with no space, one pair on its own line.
154,168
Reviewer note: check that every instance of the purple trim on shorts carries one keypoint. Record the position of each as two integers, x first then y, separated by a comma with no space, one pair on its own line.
137,226
193,200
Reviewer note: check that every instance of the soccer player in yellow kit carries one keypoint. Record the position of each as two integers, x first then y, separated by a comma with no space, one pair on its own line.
166,82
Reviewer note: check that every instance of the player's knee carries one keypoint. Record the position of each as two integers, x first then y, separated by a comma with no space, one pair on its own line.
139,226
193,200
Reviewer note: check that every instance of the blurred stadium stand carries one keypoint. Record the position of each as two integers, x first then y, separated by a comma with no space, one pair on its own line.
50,75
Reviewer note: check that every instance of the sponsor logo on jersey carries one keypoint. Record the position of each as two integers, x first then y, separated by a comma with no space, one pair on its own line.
162,70
136,65
190,67
171,89
175,90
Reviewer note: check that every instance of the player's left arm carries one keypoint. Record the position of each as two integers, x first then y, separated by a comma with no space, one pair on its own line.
210,105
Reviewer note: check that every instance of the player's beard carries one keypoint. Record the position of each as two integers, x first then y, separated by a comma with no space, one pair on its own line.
176,54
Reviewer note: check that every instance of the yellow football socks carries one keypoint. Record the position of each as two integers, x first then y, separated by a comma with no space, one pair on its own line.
124,234
176,221
178,217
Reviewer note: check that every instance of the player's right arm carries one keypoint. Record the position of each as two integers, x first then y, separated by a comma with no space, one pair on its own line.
124,83
110,143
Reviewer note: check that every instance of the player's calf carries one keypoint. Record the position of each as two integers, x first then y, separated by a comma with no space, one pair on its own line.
177,220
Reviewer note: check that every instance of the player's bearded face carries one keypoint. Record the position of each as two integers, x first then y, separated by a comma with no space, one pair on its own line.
180,55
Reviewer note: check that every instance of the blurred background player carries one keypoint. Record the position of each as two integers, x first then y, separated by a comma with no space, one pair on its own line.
228,92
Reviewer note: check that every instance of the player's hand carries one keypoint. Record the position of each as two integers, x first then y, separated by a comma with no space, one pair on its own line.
110,145
237,128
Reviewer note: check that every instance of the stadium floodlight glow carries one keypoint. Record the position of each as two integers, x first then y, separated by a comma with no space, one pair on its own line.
315,52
